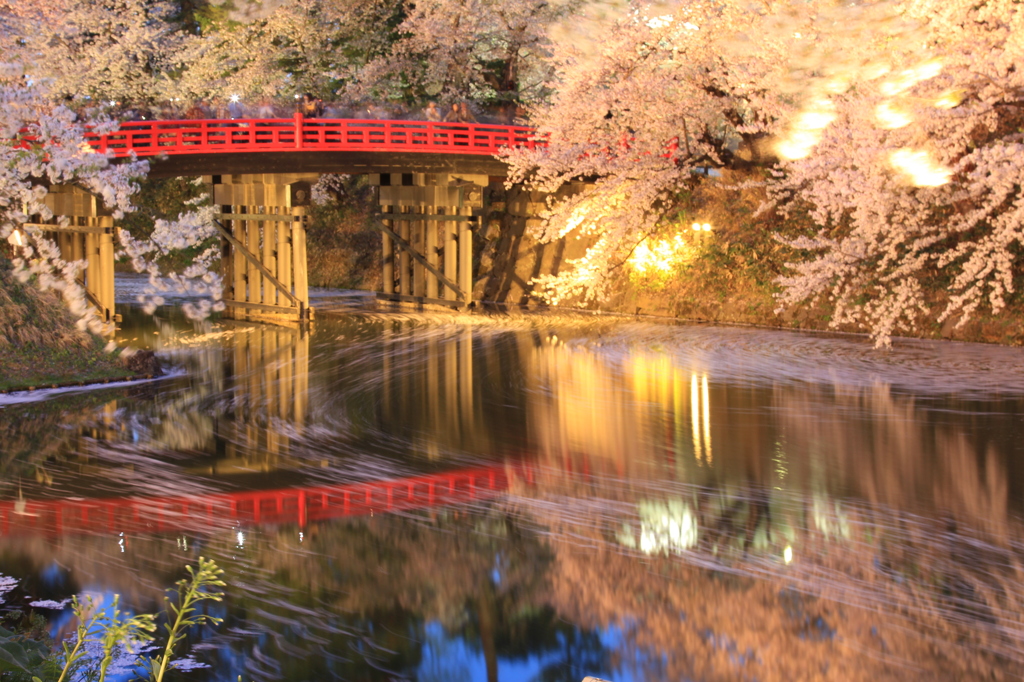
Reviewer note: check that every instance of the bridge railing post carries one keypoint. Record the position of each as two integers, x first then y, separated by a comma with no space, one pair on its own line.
298,129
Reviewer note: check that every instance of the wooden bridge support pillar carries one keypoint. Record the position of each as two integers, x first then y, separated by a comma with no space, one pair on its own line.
263,221
88,236
428,235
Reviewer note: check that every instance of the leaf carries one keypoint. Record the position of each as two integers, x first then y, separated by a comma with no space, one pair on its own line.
20,653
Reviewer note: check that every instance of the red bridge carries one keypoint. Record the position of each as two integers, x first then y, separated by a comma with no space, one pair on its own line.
347,145
282,506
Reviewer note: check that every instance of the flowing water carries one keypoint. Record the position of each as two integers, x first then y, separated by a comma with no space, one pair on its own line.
442,496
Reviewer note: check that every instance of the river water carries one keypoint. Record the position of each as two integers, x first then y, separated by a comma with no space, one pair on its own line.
401,495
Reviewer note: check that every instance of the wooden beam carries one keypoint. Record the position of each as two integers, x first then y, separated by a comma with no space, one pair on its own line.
430,246
300,263
272,217
388,264
450,245
402,229
423,261
69,228
424,216
237,260
91,297
259,266
107,265
466,261
270,258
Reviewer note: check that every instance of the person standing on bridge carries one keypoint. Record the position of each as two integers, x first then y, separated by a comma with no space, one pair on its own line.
266,109
219,108
431,113
453,115
197,111
465,115
311,107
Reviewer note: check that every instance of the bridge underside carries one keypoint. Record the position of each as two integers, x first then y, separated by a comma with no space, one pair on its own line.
354,163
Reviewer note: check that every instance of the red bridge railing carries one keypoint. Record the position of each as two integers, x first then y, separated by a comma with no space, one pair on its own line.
221,510
150,138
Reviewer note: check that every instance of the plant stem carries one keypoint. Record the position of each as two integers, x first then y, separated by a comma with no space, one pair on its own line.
67,663
172,635
82,631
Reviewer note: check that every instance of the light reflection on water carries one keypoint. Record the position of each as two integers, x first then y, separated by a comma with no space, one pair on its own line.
699,502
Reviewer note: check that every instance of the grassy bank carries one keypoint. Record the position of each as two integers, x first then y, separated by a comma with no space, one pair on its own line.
39,343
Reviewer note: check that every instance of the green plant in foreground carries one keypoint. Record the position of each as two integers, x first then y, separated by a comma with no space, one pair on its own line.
106,636
195,589
108,629
19,653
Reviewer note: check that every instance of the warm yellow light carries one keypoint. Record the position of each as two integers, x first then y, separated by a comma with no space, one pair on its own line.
929,69
706,413
706,227
806,130
920,168
696,227
799,144
911,77
876,70
660,256
892,118
815,120
16,239
950,99
575,220
787,554
695,418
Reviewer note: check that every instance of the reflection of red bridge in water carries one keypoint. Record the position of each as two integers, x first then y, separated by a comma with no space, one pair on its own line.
282,506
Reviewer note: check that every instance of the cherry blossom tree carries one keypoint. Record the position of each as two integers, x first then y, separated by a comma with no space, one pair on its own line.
48,146
915,185
661,98
897,141
495,50
285,48
117,50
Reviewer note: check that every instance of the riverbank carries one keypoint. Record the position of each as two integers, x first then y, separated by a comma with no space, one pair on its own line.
40,346
47,367
725,275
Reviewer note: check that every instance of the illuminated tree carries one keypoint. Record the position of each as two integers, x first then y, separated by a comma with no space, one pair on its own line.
49,144
108,50
481,49
285,48
915,186
659,99
893,137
